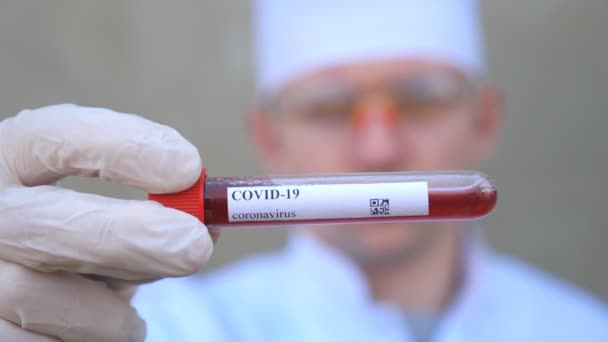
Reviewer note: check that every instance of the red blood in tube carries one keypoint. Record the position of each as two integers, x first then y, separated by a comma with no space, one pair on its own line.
451,195
445,204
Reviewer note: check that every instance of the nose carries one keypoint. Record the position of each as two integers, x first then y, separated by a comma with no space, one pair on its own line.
376,124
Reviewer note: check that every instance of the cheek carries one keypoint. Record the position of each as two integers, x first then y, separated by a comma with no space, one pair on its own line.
447,143
303,151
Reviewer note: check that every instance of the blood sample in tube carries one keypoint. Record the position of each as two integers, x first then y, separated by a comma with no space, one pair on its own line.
222,202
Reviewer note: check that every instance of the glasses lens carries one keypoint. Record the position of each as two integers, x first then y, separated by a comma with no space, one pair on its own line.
424,95
417,96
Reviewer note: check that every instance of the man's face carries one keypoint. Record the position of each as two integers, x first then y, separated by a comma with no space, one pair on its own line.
395,115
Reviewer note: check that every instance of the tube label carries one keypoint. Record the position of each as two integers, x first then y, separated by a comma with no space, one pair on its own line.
327,201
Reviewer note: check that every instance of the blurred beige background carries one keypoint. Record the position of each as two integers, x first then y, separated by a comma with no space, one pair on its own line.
187,64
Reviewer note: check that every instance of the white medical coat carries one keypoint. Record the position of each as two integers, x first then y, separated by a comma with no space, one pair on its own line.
309,292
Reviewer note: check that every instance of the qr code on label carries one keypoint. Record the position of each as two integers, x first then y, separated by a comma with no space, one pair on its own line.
378,206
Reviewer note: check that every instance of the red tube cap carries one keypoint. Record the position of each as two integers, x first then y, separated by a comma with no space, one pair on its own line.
190,200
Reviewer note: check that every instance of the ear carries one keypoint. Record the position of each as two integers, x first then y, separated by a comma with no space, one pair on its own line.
489,121
263,132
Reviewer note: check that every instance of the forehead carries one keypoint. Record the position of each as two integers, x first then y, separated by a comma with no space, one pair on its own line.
368,73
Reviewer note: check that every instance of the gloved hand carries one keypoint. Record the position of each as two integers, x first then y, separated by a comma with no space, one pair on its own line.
68,260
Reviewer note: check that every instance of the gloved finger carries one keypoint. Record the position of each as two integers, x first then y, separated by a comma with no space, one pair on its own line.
11,332
215,234
123,288
66,306
49,143
49,229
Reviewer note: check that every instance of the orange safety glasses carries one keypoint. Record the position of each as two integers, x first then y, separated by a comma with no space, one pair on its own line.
338,104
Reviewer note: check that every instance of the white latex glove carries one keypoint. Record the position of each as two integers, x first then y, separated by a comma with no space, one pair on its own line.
50,237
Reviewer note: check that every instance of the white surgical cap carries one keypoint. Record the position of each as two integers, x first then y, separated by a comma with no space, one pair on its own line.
293,37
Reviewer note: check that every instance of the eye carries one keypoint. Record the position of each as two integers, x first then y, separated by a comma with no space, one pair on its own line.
323,104
330,109
329,105
424,95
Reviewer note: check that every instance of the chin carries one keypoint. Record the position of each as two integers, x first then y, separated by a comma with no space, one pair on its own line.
386,243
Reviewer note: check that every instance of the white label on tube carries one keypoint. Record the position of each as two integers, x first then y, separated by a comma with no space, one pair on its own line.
327,201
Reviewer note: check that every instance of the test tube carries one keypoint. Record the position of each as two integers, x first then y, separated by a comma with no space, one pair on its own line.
221,202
